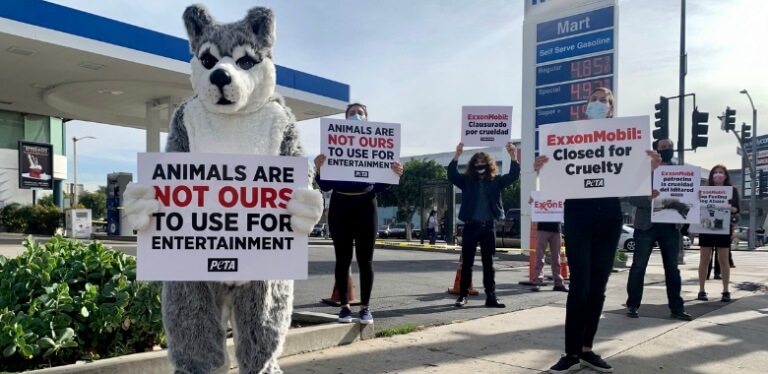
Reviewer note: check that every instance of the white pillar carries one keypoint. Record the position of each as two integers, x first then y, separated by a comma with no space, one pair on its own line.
153,126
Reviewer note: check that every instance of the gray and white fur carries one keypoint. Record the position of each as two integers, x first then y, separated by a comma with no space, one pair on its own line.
234,110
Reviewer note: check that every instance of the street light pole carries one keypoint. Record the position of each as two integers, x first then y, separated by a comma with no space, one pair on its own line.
753,195
74,163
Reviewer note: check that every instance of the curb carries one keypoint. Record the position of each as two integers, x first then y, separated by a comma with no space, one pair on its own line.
300,340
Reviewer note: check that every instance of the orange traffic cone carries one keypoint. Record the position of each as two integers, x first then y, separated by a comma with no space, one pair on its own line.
457,283
563,263
335,300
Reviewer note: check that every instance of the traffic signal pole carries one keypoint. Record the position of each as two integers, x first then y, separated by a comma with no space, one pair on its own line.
683,71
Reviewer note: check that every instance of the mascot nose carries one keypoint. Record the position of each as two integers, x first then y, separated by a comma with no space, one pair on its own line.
220,78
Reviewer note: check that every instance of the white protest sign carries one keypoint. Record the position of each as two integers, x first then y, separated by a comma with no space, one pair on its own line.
222,218
678,200
546,210
596,158
486,126
715,211
359,151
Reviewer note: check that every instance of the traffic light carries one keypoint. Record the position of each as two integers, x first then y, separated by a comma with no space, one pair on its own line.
745,133
699,129
662,119
729,119
763,183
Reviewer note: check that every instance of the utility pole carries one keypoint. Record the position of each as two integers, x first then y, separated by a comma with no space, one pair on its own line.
683,71
753,163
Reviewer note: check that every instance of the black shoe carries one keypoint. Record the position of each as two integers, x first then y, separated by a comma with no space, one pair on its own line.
591,360
566,364
461,301
536,288
682,315
632,312
726,297
492,302
702,296
560,288
717,276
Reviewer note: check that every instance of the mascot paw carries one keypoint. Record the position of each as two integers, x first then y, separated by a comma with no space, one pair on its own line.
139,205
306,207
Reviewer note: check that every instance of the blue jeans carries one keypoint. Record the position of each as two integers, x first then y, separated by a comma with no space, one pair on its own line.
669,241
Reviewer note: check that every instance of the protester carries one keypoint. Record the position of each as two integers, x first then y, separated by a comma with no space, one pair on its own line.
433,226
481,187
646,234
718,176
547,233
592,228
352,217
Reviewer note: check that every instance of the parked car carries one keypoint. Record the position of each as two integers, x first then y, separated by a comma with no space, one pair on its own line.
507,230
384,231
627,238
318,230
397,230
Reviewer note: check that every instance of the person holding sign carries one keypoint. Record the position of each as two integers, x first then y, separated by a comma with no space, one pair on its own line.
352,217
592,228
547,233
718,176
481,187
647,233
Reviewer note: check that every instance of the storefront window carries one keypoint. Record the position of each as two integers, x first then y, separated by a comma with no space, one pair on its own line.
11,129
37,128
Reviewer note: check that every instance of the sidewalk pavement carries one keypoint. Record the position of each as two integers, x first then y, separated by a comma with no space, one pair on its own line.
723,337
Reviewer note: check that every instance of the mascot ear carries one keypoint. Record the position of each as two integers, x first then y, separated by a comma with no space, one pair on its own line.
196,20
261,21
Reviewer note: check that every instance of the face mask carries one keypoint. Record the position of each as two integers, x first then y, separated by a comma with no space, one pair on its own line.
356,117
666,155
718,177
481,169
597,110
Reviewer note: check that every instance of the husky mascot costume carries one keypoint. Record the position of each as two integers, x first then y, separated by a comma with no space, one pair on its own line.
234,110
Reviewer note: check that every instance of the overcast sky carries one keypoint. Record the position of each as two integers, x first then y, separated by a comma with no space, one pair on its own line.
418,62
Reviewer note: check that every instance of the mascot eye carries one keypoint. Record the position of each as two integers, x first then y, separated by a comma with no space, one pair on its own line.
246,62
208,60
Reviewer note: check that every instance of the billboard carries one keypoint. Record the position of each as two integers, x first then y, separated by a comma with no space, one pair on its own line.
35,165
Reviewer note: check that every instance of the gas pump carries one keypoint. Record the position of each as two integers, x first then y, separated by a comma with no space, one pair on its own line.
116,183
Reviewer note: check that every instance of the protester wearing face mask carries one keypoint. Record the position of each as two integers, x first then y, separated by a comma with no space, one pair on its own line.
481,187
708,243
591,228
352,217
647,233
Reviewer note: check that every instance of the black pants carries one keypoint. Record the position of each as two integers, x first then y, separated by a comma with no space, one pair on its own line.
486,236
668,237
591,237
352,221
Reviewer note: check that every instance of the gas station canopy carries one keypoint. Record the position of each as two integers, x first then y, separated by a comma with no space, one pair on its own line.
62,62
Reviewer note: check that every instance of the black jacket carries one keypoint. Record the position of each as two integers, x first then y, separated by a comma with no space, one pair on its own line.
470,187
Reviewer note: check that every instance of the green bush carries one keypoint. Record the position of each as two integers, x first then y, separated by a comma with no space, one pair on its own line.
66,301
38,219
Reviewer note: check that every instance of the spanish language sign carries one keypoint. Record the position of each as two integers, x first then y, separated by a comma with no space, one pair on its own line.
715,211
486,126
596,158
678,200
359,151
546,210
222,217
35,165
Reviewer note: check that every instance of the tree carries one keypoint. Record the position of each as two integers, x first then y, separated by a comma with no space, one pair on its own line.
510,196
95,201
406,196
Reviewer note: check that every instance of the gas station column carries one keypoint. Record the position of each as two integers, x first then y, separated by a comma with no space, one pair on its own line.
159,112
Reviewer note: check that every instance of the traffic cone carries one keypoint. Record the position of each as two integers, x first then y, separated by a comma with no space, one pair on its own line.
335,300
563,263
457,283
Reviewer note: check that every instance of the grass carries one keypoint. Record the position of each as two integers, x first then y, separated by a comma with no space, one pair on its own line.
402,330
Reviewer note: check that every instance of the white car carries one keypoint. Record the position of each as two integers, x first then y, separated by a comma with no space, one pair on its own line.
627,238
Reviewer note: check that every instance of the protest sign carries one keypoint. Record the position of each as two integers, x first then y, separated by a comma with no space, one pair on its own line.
596,158
486,126
715,216
359,151
222,217
546,210
678,200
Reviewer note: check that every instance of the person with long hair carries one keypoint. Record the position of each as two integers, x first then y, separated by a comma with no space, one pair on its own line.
592,228
720,243
353,221
481,206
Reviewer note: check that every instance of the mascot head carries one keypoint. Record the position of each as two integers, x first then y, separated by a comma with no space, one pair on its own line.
232,67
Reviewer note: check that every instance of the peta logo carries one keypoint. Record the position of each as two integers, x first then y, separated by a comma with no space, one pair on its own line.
592,183
361,174
222,265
